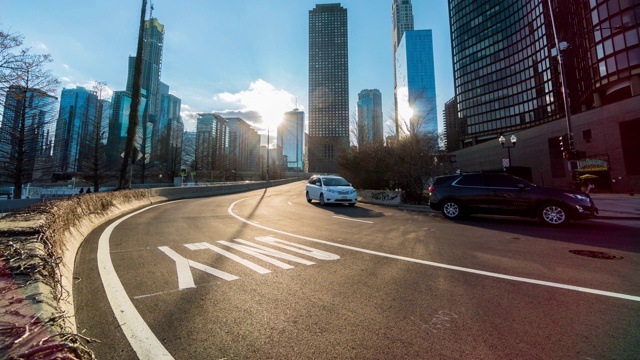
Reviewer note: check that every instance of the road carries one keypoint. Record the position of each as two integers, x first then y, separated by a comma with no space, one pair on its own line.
265,275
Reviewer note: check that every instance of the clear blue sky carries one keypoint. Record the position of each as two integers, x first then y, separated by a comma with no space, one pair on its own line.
233,55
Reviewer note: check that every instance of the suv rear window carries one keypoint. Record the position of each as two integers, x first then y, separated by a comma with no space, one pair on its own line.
443,179
471,180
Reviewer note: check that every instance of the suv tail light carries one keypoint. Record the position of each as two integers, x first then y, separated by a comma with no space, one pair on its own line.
431,189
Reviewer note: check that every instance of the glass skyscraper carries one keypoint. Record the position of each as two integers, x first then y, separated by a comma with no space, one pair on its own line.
328,86
291,140
370,117
401,21
78,120
416,83
26,132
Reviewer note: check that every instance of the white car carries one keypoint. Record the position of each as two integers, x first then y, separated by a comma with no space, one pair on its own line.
330,189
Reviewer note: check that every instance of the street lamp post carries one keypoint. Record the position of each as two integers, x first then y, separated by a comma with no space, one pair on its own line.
268,152
513,140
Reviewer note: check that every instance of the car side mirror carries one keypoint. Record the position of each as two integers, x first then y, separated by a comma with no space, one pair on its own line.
521,187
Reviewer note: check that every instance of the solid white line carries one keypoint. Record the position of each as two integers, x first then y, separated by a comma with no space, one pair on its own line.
346,218
141,338
445,266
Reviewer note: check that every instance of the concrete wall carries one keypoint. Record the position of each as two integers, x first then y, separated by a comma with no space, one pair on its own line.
532,147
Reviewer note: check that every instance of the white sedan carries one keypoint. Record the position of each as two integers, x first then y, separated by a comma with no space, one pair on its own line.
330,189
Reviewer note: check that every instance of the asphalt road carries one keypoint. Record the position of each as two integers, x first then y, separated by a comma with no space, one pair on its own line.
364,282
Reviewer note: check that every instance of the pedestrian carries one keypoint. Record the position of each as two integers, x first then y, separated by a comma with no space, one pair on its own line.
590,187
81,191
88,190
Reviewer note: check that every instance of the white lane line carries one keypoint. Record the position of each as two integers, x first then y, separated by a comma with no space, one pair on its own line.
444,266
141,338
346,218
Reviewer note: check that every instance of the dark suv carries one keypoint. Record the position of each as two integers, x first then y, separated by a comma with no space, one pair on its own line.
504,194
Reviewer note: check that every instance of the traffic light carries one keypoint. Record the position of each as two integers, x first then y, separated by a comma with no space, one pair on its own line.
564,143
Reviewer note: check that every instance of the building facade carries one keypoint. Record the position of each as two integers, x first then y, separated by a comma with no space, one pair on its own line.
118,125
291,140
239,144
369,112
401,21
151,86
167,136
515,61
26,135
328,86
212,146
78,120
416,83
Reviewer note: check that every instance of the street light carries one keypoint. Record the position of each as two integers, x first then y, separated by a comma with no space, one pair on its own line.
268,128
513,140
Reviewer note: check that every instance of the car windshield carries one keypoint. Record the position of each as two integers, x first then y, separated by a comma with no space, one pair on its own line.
335,182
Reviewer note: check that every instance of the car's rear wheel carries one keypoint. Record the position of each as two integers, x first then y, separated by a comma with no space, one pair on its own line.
322,200
552,213
308,198
452,210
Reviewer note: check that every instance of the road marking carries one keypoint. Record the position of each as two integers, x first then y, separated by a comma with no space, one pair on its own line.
141,338
435,264
255,267
184,265
346,218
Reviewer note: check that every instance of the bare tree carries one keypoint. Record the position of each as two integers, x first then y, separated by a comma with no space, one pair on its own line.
26,90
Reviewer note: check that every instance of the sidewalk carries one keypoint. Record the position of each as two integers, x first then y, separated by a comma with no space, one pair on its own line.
610,206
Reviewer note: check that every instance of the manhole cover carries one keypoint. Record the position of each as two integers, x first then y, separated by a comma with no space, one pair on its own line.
596,254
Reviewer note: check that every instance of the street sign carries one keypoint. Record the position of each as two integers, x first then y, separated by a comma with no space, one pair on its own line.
505,162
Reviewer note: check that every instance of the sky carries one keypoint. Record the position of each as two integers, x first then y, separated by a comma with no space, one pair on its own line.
246,58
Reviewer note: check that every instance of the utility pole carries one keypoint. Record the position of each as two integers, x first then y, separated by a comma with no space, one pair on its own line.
135,103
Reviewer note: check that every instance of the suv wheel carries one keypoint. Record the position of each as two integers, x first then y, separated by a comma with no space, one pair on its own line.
322,200
308,198
553,214
451,210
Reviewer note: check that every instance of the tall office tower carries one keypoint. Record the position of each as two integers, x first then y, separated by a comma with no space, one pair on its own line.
167,135
254,150
188,151
328,86
26,134
239,144
452,131
416,89
291,140
78,121
370,117
104,110
507,74
212,145
401,21
153,38
118,124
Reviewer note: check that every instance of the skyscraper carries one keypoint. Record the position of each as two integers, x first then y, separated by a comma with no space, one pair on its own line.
118,124
153,38
370,117
167,135
291,140
416,83
239,144
212,144
401,21
78,120
26,134
328,86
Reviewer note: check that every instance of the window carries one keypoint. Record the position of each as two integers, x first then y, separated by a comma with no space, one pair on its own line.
471,180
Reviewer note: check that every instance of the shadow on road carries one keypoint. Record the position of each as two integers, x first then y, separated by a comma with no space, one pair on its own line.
579,233
352,211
